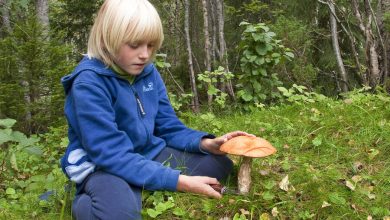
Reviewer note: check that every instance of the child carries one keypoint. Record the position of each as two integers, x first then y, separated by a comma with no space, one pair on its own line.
122,127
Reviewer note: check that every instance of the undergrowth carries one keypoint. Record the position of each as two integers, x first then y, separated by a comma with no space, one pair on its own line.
332,163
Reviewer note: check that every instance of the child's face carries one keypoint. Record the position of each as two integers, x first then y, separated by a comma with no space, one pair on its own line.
133,57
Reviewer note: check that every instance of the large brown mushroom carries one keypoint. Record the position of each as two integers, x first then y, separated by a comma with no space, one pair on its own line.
247,147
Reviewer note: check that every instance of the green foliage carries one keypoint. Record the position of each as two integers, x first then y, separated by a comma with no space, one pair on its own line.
29,167
260,53
74,19
211,81
160,202
178,102
297,35
386,19
31,65
299,95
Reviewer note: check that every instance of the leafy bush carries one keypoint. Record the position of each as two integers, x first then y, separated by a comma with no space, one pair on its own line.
260,53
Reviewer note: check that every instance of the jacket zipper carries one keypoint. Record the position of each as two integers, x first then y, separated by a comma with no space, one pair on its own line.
139,103
142,111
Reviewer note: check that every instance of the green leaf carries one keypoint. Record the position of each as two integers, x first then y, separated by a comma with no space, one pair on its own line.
261,49
153,213
247,97
163,206
34,150
289,54
267,195
317,141
4,137
269,184
7,123
10,191
179,212
336,199
14,163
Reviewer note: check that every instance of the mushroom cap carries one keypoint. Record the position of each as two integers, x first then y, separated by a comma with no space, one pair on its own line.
248,146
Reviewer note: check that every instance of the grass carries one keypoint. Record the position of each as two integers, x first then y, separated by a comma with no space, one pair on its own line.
335,154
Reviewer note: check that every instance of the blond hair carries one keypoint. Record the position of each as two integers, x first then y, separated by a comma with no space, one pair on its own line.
121,22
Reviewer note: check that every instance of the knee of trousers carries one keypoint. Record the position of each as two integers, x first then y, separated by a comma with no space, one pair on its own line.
111,197
217,166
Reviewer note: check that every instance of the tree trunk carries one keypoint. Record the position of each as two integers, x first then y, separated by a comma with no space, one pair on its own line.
207,44
372,59
222,47
42,8
5,15
384,7
214,47
195,98
336,46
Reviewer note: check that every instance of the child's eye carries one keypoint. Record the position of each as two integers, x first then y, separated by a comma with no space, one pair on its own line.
150,45
133,45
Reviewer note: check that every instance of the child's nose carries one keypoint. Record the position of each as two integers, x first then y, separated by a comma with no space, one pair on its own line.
144,53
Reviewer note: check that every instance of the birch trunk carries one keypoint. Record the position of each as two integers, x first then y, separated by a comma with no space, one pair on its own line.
336,47
195,98
384,7
214,47
222,46
5,15
42,8
207,44
371,53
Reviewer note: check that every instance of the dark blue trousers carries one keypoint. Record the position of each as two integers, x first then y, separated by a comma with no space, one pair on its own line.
105,196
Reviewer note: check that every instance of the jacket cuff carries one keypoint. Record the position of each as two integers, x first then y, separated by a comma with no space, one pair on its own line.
210,136
172,178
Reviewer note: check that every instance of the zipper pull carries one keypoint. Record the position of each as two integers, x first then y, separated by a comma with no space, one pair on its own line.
139,103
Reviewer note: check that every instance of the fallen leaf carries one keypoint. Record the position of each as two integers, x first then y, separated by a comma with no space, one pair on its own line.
286,146
325,204
371,196
357,178
265,216
369,217
386,218
285,184
372,153
264,172
231,201
350,185
245,212
348,101
275,211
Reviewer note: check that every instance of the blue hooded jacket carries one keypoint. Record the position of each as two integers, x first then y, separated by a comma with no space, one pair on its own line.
120,127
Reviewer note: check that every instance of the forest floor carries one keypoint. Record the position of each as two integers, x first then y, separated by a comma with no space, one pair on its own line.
332,163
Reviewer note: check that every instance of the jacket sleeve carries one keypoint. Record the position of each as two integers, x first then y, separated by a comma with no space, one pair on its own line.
171,129
111,149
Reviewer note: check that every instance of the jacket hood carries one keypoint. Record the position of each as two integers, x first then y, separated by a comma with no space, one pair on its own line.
98,67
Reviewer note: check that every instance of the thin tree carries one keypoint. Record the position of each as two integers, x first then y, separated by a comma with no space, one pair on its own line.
42,8
5,15
207,43
372,75
336,46
222,46
383,8
195,98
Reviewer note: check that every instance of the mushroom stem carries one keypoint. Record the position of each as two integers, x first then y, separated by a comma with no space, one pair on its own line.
244,175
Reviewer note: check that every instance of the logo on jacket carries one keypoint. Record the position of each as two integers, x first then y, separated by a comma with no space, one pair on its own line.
149,88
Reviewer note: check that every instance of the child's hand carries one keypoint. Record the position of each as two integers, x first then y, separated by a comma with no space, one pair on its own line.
198,185
212,145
